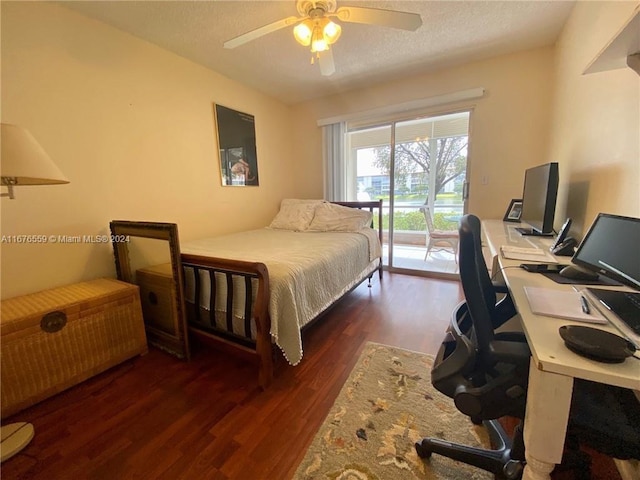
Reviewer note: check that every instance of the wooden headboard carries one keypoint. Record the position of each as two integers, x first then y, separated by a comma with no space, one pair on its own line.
370,205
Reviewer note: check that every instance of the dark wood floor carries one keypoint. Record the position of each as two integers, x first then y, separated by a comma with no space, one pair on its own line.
157,417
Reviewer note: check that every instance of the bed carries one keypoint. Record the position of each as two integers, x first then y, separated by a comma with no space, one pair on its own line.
257,290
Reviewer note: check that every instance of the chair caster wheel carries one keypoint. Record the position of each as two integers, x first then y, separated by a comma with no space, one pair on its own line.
513,470
422,451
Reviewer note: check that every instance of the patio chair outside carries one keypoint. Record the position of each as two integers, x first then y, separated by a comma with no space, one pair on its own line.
438,240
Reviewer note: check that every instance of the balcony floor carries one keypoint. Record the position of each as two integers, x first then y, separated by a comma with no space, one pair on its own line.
412,257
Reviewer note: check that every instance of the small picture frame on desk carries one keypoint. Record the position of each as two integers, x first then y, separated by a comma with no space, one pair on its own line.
514,212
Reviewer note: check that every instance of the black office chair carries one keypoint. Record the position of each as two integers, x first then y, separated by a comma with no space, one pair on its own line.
486,374
472,264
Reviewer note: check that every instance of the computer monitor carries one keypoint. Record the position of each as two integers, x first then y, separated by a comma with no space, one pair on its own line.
539,199
611,249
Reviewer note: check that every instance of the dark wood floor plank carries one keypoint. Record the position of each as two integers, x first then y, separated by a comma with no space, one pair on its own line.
155,417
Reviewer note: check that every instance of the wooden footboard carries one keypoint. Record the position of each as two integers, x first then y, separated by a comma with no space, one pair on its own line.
206,320
256,312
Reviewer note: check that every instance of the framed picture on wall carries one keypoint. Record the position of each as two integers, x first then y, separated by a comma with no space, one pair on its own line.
237,143
514,212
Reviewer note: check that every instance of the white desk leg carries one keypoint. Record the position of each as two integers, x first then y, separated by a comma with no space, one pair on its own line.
545,423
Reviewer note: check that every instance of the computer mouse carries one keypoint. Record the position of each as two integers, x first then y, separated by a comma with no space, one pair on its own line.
576,273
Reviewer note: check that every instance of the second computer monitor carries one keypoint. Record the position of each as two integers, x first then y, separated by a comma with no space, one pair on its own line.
610,248
539,198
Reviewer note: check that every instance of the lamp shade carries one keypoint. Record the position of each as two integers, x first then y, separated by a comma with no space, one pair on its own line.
331,32
302,32
24,161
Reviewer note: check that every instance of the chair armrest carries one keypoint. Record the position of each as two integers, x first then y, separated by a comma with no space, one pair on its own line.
511,337
517,353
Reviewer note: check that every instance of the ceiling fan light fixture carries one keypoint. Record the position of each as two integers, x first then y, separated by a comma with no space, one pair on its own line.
331,32
325,33
313,27
302,32
318,41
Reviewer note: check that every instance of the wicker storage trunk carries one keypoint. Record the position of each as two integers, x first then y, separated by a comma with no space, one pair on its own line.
54,339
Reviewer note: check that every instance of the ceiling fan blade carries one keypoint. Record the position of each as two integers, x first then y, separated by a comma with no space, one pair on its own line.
377,16
259,32
327,66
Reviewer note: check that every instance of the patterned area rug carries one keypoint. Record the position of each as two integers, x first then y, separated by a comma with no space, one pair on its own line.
385,406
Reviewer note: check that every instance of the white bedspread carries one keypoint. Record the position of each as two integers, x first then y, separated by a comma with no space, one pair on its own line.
308,271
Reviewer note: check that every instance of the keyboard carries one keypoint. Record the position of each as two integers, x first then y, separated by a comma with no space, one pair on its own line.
626,309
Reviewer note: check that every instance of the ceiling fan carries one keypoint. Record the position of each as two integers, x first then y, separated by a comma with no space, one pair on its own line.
315,28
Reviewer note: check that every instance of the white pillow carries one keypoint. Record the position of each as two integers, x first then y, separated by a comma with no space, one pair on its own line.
297,201
330,217
294,214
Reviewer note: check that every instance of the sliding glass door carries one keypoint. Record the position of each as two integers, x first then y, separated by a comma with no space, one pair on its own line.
418,167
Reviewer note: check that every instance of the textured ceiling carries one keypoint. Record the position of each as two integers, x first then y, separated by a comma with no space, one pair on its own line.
453,32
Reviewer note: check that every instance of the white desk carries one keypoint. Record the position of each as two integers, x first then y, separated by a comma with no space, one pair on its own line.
553,366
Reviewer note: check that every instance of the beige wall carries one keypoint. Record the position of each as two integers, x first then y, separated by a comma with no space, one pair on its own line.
595,128
131,126
509,125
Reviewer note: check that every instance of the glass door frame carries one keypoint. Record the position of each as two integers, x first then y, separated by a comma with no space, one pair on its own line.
392,123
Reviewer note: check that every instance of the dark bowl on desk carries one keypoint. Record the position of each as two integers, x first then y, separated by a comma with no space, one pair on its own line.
596,344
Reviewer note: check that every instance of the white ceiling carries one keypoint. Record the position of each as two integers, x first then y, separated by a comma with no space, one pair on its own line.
453,33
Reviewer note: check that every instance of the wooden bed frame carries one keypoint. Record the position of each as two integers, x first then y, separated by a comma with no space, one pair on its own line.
261,348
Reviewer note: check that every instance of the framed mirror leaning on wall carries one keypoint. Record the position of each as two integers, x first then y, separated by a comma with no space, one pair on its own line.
149,256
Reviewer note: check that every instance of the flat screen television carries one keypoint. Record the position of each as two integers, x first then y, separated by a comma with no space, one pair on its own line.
539,199
610,248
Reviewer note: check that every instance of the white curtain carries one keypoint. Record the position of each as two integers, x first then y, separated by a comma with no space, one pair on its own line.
333,153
